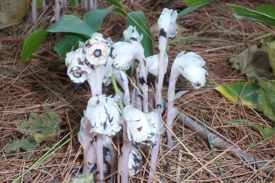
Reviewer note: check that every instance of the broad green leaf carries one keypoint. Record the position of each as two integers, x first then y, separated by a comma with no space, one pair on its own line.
21,144
137,19
266,98
94,18
240,92
71,24
268,9
67,44
31,44
260,16
194,5
44,127
118,7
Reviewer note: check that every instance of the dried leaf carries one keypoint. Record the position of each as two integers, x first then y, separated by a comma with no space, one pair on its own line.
254,63
21,144
42,128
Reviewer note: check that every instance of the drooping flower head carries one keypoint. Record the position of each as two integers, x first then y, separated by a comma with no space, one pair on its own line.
152,63
191,66
124,53
141,127
77,70
104,116
97,50
167,23
131,34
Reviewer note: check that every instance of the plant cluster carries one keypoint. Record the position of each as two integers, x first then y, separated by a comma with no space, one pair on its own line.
128,113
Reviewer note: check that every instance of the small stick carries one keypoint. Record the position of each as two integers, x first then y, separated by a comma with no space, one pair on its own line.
220,141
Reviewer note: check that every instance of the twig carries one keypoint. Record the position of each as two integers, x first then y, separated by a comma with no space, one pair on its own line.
220,141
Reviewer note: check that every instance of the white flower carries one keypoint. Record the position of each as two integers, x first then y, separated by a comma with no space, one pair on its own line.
131,34
190,66
135,161
167,23
77,70
124,54
141,127
104,115
152,63
97,49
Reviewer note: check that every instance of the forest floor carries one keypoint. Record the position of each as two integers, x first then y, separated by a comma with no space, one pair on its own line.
42,84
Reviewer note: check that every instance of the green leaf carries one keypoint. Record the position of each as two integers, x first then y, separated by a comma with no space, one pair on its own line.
268,9
194,5
21,144
262,15
44,127
72,3
118,7
270,49
266,99
83,179
266,132
94,18
137,19
31,44
240,92
71,24
67,44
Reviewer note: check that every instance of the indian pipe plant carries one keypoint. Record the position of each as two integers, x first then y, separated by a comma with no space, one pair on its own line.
128,113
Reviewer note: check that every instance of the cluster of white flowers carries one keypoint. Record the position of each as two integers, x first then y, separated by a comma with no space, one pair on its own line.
98,60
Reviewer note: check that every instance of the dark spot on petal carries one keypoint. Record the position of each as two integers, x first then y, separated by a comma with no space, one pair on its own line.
139,129
133,39
162,33
97,52
88,45
142,80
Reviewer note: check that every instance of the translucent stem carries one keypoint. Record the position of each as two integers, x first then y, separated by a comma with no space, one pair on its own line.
99,159
171,97
123,164
34,11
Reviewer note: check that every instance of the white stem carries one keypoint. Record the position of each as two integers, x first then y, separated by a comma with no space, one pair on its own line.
123,164
154,159
171,97
122,79
92,4
65,4
99,159
143,76
95,81
57,10
89,158
34,11
162,68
